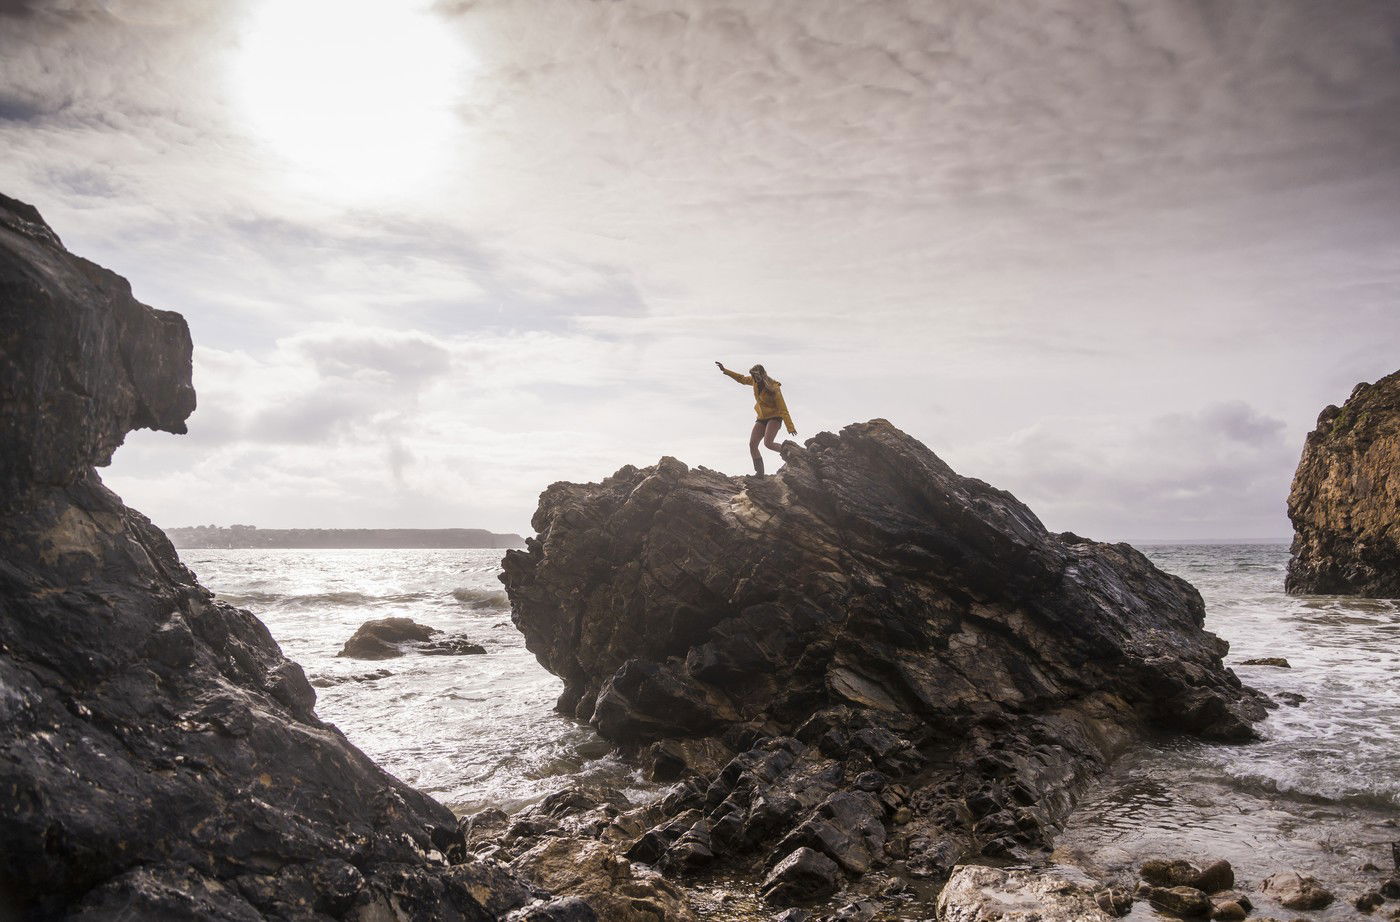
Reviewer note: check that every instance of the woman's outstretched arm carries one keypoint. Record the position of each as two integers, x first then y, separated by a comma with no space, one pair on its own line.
742,379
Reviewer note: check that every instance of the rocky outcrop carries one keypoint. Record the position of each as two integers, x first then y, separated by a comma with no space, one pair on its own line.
160,758
1345,501
386,638
866,655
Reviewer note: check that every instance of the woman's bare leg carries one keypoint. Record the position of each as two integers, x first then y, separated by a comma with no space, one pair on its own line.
755,437
771,433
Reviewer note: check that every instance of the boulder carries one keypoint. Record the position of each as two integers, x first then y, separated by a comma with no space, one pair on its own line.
1115,901
1169,873
1277,661
1180,901
1215,877
804,875
1296,891
385,638
161,758
981,894
1345,500
1227,911
380,639
864,641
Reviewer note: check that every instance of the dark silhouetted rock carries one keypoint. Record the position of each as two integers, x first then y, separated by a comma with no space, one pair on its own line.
1345,501
380,639
1277,661
863,636
161,758
385,638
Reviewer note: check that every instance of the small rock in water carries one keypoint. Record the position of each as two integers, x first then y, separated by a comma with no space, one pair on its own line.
1115,901
1227,911
1292,699
1368,901
801,876
1163,873
1185,902
1296,891
1217,876
1391,888
452,646
1278,661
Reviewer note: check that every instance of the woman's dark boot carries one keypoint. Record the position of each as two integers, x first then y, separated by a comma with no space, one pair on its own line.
758,464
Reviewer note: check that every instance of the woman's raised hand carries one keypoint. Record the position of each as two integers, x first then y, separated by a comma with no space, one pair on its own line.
720,365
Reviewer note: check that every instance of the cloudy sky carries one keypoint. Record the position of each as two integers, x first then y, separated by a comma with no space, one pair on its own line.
1112,255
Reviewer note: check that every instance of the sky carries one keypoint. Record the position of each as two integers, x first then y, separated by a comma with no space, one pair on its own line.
1111,255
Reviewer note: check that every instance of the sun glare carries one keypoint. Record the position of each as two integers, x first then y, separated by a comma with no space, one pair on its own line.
355,95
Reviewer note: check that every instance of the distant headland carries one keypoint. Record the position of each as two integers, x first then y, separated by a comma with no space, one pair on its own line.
208,536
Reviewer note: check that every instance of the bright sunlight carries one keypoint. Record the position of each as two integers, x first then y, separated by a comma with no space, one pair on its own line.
356,95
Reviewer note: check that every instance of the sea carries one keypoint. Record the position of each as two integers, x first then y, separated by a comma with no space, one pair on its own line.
1319,793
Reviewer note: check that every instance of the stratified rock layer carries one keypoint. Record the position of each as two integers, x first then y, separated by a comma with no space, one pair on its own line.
1345,501
866,654
160,758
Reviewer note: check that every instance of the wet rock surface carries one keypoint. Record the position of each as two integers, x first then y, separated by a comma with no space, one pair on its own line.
1296,891
1345,500
984,894
161,759
866,656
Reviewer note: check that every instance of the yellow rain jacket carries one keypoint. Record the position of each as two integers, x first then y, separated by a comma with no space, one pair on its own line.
769,403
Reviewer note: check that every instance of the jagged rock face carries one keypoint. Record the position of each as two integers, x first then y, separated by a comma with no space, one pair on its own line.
1345,501
676,602
899,665
160,758
85,363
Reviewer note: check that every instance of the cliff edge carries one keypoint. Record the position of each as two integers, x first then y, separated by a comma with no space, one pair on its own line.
1345,500
160,757
865,655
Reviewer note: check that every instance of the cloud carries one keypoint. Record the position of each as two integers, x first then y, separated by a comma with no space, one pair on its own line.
1177,475
1039,236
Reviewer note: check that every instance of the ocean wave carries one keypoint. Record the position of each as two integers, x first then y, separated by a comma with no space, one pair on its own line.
1313,783
319,599
480,598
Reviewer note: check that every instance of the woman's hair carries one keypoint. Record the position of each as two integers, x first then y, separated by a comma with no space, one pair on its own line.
760,377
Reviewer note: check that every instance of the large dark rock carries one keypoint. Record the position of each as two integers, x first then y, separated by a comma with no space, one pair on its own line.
1345,501
160,758
866,654
386,638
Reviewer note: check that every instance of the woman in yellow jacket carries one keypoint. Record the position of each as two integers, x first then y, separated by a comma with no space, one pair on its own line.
770,407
